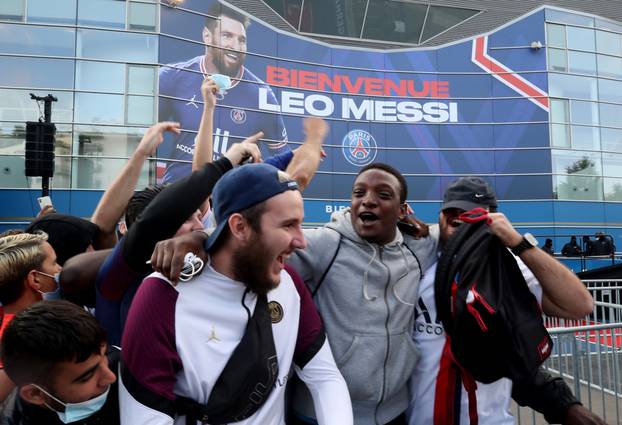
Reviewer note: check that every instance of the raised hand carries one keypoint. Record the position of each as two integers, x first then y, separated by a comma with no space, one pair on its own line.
154,136
248,148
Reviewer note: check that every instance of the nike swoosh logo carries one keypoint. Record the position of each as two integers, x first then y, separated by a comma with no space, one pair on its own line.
477,195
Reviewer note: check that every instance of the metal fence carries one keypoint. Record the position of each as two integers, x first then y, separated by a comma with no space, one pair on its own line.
587,353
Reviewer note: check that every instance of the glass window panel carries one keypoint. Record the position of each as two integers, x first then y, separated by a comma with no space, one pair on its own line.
609,90
609,43
560,110
117,46
92,140
394,21
12,10
289,11
556,35
610,115
578,163
142,16
140,110
613,189
611,139
557,60
100,76
584,137
63,12
16,105
99,108
98,173
581,39
35,40
608,25
569,18
578,188
560,135
441,18
141,80
612,164
13,173
35,72
582,63
573,86
609,66
12,137
583,112
102,13
334,18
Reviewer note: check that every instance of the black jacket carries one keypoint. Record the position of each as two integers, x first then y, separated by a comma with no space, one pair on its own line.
545,394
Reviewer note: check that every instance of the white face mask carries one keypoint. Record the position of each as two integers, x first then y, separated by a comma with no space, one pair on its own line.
55,294
78,411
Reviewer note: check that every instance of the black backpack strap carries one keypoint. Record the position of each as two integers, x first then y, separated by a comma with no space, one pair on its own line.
330,264
192,410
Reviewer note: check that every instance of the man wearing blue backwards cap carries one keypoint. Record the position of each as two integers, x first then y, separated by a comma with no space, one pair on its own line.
219,348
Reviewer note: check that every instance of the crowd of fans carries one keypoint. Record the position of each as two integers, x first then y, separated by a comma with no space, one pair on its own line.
212,296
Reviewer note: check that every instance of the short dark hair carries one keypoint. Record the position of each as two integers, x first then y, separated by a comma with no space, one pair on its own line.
252,215
139,201
46,334
387,168
218,9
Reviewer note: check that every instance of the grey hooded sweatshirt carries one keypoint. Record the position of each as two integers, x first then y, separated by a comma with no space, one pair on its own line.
366,301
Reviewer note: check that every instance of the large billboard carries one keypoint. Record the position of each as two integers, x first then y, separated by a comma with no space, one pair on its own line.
478,107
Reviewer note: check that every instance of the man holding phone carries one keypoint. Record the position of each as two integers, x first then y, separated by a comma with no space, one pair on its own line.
45,206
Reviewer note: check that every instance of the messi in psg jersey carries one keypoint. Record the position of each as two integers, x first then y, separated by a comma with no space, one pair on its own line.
236,116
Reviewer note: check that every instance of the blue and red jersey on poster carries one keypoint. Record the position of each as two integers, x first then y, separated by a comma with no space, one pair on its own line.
236,117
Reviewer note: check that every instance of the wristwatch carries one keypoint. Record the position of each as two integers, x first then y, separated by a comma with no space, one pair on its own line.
528,242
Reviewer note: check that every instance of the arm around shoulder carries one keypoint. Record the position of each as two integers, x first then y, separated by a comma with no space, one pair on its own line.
331,398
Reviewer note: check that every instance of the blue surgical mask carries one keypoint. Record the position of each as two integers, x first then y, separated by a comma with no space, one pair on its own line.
78,411
56,293
223,82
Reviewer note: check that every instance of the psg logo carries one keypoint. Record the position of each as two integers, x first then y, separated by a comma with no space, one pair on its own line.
359,147
238,116
276,311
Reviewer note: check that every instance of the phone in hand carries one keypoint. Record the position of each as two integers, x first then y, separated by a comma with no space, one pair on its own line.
44,201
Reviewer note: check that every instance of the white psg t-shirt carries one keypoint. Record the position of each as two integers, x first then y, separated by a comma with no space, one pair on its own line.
493,400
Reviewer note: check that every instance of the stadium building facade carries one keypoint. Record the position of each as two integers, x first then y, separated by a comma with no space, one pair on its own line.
528,97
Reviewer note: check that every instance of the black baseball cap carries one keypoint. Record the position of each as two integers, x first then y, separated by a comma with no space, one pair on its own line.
68,235
467,193
242,188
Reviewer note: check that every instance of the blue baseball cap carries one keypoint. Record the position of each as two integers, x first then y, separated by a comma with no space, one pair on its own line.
242,188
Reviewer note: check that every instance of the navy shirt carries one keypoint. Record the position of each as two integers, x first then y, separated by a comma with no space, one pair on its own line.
236,117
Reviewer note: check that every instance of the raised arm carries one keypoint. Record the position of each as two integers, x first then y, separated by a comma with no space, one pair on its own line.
115,199
204,147
563,294
307,157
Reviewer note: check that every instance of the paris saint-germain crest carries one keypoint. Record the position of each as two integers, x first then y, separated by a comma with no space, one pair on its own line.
238,116
359,147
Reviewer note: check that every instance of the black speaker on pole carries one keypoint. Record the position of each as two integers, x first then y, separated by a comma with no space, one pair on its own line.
40,149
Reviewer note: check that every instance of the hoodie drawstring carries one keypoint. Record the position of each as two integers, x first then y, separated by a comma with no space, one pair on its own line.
366,273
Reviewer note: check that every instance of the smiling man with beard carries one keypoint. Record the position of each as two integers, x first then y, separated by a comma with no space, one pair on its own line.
364,275
220,348
181,99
